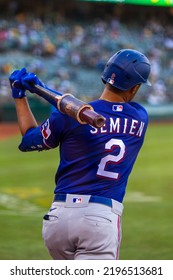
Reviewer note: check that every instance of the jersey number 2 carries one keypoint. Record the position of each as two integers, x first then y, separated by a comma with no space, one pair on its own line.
109,146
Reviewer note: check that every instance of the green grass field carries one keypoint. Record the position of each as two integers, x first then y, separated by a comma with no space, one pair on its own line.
26,188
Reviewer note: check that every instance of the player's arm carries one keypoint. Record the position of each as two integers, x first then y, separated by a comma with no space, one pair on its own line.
34,137
26,119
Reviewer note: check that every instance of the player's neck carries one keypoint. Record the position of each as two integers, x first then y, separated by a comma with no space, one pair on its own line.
112,96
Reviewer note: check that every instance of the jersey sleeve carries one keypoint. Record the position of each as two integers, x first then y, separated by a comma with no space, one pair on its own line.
52,129
32,141
46,136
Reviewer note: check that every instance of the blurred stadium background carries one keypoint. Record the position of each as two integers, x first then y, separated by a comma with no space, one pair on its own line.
67,43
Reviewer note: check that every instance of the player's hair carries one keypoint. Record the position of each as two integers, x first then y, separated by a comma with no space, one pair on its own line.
126,68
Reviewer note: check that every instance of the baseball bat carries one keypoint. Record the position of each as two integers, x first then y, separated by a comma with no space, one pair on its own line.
72,106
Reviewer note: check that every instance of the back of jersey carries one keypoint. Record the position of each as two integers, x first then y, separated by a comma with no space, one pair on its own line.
98,161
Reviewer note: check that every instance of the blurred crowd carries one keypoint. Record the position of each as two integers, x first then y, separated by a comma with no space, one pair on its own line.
70,55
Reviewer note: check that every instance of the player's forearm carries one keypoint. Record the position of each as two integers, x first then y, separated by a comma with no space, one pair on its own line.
26,119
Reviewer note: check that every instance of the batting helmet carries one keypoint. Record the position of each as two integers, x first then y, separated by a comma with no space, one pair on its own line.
127,68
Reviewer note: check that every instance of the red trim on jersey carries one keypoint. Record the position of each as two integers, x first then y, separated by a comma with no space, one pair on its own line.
119,236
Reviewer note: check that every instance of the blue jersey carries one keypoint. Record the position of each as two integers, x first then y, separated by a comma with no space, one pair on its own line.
94,161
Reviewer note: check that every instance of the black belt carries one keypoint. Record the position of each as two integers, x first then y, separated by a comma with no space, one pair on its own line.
95,199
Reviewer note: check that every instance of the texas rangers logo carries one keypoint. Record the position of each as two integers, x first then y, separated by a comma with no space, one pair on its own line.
45,129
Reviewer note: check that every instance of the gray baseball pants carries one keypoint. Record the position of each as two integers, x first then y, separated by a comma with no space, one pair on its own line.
76,229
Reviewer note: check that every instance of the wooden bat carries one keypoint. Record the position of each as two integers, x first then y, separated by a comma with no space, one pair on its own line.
73,107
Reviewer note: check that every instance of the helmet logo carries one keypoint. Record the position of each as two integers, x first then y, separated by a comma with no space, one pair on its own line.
111,79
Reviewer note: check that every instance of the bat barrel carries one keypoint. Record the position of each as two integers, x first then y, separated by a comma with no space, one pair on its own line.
92,118
80,111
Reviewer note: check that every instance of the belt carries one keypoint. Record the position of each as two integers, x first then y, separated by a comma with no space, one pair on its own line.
92,199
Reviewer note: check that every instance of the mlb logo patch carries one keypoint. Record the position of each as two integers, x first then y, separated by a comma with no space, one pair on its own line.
111,81
117,108
77,200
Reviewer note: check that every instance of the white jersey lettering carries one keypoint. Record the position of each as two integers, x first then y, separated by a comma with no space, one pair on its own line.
121,125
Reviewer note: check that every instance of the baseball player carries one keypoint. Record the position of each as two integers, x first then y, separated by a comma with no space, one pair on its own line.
84,220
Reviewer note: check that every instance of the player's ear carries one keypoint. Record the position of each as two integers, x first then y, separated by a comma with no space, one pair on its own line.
134,90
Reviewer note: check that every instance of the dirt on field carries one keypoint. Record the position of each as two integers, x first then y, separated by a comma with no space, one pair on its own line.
8,130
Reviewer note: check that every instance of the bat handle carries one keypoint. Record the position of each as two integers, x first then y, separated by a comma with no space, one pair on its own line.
91,117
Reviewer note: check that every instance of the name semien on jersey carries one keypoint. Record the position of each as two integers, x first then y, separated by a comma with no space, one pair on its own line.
121,126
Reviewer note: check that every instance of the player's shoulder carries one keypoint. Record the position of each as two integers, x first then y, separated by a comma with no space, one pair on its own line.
137,106
138,109
130,108
58,116
63,121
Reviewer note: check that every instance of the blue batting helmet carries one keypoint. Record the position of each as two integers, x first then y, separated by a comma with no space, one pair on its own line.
126,68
